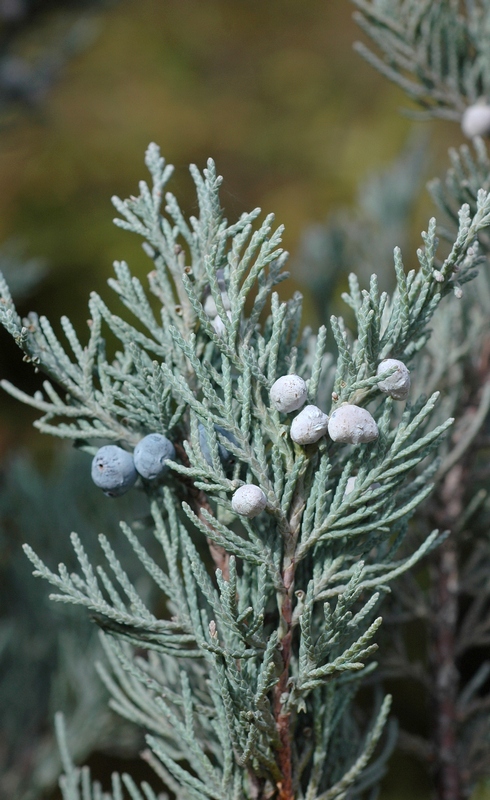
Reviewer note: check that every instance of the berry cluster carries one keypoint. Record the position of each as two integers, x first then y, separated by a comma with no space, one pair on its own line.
348,424
115,471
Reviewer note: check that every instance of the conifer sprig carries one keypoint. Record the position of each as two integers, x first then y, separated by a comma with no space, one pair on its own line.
436,52
256,652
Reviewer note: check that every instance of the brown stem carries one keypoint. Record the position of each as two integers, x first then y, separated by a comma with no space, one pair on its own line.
446,677
285,786
450,774
283,718
442,647
199,501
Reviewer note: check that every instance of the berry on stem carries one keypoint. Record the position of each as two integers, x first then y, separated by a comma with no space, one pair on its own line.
309,425
397,385
248,501
151,454
476,120
351,424
113,470
288,393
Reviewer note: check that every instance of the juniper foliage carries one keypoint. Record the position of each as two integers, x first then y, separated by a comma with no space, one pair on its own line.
47,660
452,613
436,52
267,626
415,610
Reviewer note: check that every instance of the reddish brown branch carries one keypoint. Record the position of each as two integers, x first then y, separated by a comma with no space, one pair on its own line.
444,619
283,718
285,786
449,771
199,501
445,674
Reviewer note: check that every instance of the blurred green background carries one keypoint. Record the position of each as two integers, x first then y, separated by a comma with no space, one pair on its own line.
272,90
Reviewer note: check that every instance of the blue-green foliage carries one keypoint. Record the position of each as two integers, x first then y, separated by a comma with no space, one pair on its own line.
47,660
437,53
267,622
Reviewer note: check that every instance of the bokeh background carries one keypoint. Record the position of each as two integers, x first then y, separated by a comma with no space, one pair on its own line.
272,90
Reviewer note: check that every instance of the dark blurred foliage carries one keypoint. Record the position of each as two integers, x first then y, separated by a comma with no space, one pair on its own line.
31,59
48,654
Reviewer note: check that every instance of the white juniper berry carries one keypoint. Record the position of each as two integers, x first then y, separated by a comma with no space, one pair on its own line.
250,675
476,120
309,425
288,393
249,501
351,424
397,384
